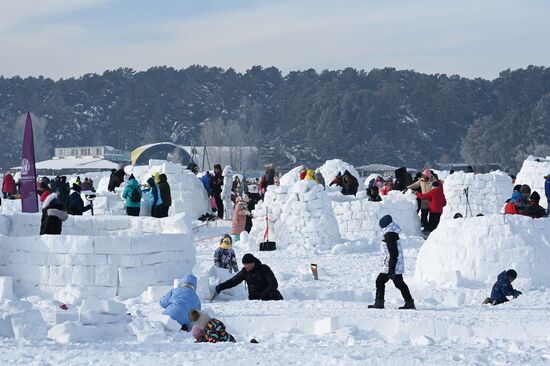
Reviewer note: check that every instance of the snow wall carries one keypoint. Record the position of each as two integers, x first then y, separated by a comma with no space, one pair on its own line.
471,252
358,218
532,173
487,193
99,256
188,193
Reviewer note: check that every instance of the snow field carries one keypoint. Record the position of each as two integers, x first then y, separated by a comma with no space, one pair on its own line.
487,193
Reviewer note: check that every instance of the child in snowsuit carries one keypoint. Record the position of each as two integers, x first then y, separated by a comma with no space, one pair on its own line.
224,256
392,265
179,301
502,288
208,329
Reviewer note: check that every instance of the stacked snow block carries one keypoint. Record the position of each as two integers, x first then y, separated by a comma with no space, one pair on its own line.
300,216
97,320
532,173
473,251
358,218
101,265
487,193
187,192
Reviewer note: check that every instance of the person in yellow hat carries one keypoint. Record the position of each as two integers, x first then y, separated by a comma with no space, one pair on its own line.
224,256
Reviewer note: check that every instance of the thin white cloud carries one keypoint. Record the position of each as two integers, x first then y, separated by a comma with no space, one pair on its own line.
470,38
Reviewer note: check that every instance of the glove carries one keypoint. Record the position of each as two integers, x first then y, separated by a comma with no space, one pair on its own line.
517,293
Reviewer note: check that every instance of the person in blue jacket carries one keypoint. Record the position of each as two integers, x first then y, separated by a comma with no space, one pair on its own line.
179,301
502,288
547,192
132,196
205,180
155,199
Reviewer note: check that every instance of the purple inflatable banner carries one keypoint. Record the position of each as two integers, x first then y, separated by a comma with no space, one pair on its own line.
29,198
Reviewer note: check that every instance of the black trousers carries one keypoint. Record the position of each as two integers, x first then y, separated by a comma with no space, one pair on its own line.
424,218
433,221
275,295
219,203
397,281
132,211
156,211
164,211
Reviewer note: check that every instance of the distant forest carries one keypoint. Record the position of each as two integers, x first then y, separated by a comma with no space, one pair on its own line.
391,116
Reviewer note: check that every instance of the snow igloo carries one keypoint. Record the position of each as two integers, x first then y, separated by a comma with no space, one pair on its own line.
471,252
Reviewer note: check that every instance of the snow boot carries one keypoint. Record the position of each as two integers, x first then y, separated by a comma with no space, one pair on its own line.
488,300
377,305
409,305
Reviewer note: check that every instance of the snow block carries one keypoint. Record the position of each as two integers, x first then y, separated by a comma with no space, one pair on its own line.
327,325
6,288
136,276
6,330
90,317
146,330
167,322
154,293
113,245
29,325
106,276
62,316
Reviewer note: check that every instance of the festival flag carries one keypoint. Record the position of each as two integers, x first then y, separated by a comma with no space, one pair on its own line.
29,198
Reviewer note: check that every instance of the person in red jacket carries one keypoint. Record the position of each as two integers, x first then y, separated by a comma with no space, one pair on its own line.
8,185
437,201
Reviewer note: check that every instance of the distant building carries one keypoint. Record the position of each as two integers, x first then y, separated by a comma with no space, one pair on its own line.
85,159
485,168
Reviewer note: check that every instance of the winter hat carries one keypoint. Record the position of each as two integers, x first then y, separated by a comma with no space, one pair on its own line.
385,221
197,331
199,318
517,187
427,173
226,242
512,274
189,280
218,166
248,258
535,196
76,187
525,189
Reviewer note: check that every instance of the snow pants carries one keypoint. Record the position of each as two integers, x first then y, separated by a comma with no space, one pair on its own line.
424,218
219,203
433,221
132,211
398,282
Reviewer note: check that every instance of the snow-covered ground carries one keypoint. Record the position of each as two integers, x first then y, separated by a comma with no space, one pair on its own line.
449,327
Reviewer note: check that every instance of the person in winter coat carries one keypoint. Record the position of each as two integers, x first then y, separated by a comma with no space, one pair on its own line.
262,284
116,179
502,288
350,185
253,198
206,329
533,208
216,185
53,216
386,188
76,204
437,201
8,185
205,180
515,204
337,180
224,256
154,199
45,193
165,195
393,265
238,222
319,177
425,185
227,192
179,302
373,194
310,175
402,179
132,196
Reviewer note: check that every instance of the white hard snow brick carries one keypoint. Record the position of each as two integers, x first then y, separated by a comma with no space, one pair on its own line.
89,317
6,329
146,330
151,225
62,316
126,260
179,223
168,323
84,259
83,275
6,288
60,275
166,272
4,225
74,244
113,245
29,324
154,293
144,276
326,325
106,275
27,258
113,307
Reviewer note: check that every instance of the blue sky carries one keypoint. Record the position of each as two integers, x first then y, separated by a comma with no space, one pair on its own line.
63,38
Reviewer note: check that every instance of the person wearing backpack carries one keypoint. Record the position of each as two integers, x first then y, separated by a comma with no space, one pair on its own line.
132,196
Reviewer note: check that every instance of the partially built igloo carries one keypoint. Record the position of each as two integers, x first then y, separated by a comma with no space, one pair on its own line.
95,256
471,252
532,173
